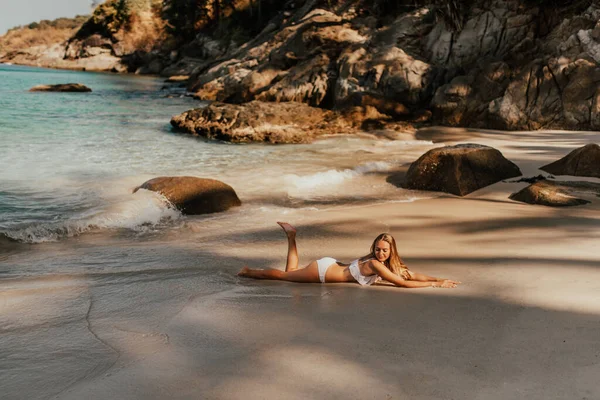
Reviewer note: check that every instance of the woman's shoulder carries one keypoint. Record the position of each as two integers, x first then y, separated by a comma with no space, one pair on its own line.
370,261
371,266
363,261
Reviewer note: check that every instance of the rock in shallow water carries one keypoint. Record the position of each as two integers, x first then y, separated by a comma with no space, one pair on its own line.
193,195
62,87
261,122
459,169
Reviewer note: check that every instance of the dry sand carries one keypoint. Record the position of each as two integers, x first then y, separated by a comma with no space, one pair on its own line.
525,322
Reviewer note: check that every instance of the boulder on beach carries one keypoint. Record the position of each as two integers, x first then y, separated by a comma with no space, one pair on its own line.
584,161
62,87
556,194
193,195
459,169
260,122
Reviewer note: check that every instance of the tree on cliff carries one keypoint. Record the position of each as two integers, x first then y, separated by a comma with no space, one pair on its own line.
185,18
107,19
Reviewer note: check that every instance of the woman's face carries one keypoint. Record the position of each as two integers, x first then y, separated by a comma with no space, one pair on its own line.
382,250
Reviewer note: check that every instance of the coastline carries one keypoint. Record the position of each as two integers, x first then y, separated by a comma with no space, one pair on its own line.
522,324
106,295
80,69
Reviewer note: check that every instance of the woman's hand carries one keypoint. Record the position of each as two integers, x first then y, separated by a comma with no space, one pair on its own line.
445,283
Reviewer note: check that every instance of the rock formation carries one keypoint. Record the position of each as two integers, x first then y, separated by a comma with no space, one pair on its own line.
505,64
557,194
61,87
584,161
260,122
459,169
193,195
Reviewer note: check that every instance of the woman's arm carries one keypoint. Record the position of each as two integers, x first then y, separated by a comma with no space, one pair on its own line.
389,276
415,276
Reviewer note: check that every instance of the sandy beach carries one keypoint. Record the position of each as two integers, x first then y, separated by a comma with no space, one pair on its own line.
523,324
311,113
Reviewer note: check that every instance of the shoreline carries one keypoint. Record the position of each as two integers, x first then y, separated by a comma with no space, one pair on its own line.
178,323
523,323
79,69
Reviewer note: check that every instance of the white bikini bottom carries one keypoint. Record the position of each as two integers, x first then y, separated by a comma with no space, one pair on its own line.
323,264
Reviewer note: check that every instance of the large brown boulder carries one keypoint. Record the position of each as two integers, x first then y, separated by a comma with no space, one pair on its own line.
556,194
193,195
584,161
62,87
459,169
260,122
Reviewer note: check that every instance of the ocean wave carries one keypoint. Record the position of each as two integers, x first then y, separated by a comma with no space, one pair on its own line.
301,186
137,213
7,243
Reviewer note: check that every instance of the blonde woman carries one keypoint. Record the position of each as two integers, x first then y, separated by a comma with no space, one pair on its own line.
382,262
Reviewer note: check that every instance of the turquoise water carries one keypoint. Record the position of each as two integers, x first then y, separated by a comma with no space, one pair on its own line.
60,149
69,161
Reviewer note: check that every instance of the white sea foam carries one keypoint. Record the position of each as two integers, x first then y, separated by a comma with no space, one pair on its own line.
309,185
138,213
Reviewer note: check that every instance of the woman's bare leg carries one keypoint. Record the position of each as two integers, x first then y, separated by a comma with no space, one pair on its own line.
309,274
292,254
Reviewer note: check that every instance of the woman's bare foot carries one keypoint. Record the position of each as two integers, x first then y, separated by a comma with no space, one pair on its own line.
289,229
244,272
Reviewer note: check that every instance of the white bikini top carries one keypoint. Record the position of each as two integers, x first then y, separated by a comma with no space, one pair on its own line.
360,278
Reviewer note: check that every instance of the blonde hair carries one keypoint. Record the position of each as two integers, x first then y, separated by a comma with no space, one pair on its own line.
394,263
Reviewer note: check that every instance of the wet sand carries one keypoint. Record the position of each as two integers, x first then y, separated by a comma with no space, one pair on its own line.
524,323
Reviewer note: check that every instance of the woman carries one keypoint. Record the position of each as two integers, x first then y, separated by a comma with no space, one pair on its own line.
382,262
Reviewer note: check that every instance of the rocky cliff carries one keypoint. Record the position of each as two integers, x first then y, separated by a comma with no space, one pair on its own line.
504,64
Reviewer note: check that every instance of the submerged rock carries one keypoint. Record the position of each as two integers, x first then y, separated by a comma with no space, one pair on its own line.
178,78
62,87
584,161
261,122
556,194
459,169
193,195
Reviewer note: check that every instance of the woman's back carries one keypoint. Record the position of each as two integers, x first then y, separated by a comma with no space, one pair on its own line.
362,272
338,272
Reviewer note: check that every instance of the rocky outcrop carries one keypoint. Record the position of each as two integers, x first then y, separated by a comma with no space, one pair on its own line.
509,66
294,63
193,195
459,169
584,161
506,64
557,194
53,56
62,87
492,31
261,122
546,80
327,60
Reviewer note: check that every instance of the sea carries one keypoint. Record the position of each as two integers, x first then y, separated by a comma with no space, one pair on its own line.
74,237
